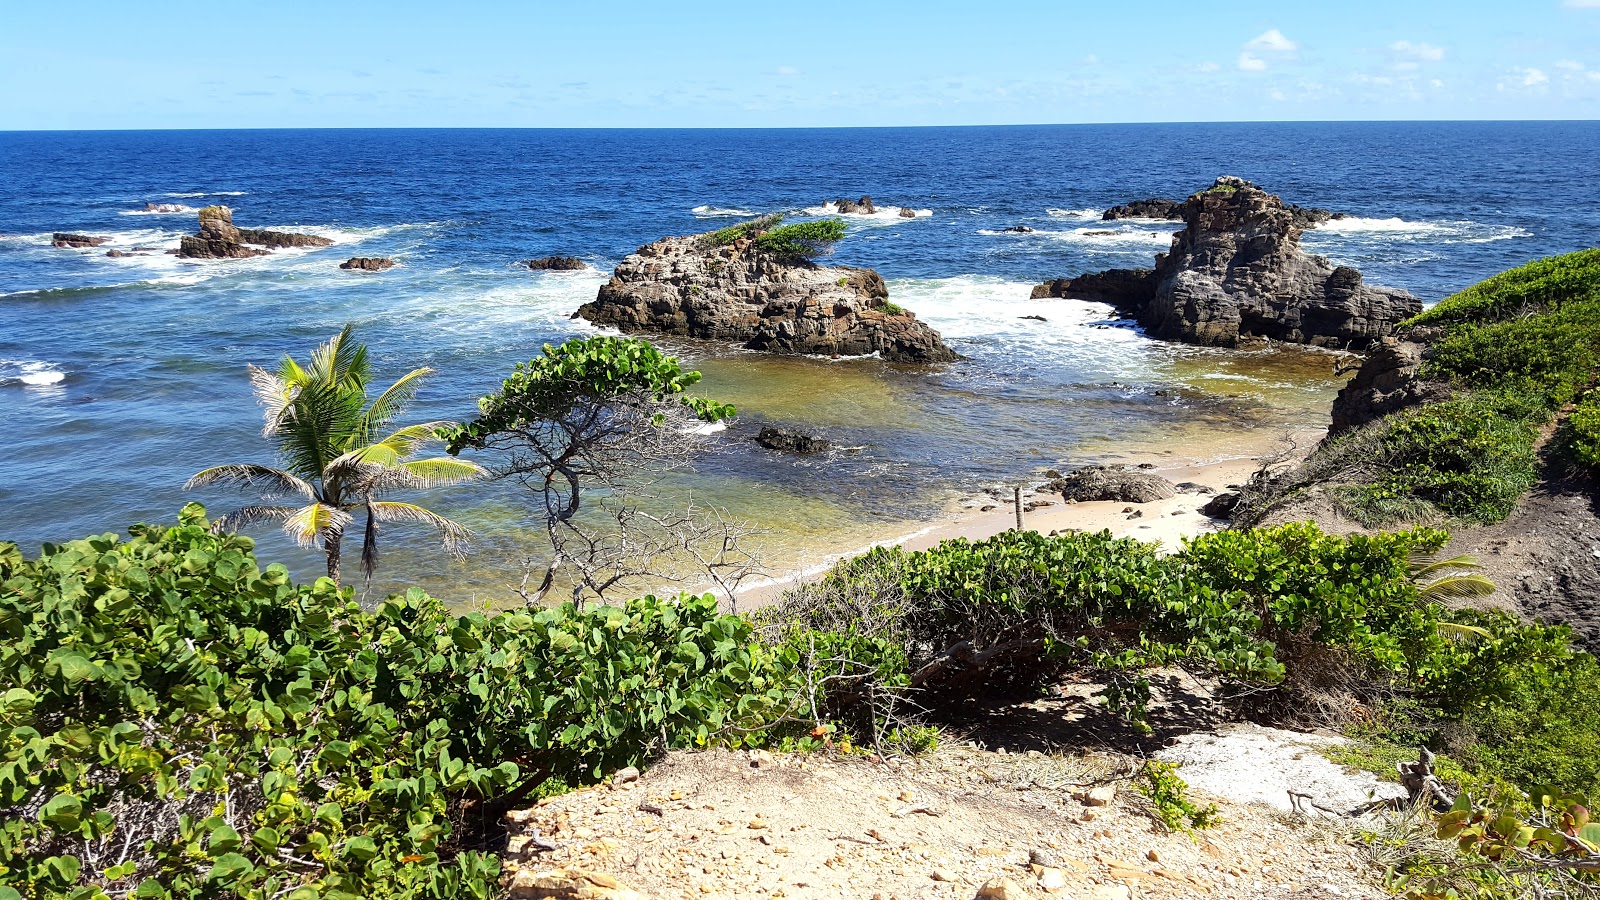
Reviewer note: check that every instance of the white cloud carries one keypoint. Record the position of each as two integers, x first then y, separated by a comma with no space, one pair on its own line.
1274,41
1521,79
1582,4
1420,51
1569,65
1250,63
1534,78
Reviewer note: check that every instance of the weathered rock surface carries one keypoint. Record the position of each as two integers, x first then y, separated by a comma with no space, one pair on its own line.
557,264
219,238
1154,208
367,263
1236,273
1112,483
1221,506
790,441
907,212
860,207
684,286
1386,382
119,254
68,241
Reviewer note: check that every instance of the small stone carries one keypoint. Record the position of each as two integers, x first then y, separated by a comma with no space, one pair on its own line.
1040,857
1154,855
945,875
1052,880
1099,795
625,776
757,825
1000,889
907,796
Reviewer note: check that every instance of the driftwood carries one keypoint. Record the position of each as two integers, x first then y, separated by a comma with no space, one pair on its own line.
1422,786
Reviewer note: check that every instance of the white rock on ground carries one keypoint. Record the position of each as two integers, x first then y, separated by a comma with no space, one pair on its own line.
1248,763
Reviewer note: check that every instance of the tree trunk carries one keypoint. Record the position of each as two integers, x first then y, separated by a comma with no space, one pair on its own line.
332,546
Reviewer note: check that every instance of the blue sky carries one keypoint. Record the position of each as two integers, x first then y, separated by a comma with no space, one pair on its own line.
782,63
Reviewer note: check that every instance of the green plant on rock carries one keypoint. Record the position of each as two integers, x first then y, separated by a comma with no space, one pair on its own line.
337,459
802,240
722,237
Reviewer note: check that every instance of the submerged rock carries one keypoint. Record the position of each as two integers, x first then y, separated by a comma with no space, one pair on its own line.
1018,229
557,264
367,263
907,212
1236,273
687,286
68,241
790,441
1112,483
219,238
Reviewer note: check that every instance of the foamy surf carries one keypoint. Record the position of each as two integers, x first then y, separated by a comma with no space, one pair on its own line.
885,213
30,373
193,194
1462,231
720,212
1074,213
169,209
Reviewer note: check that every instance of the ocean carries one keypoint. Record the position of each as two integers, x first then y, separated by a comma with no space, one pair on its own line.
121,377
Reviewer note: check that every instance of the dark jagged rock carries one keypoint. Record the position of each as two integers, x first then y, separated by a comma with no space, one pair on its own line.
863,206
685,286
907,212
557,264
1154,208
219,238
1018,229
68,241
1221,506
1387,382
367,263
1236,273
1112,483
121,254
278,240
788,440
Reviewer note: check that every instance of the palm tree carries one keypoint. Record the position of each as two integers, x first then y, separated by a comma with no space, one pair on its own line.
327,437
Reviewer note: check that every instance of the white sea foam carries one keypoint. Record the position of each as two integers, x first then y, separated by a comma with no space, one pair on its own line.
1463,231
172,209
718,212
885,213
709,428
30,372
1075,213
210,194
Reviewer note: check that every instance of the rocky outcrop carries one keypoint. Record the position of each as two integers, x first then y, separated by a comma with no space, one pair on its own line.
859,207
120,254
687,286
1236,273
907,212
787,440
68,241
219,238
557,264
1112,483
1017,229
1221,506
368,263
1154,208
1387,382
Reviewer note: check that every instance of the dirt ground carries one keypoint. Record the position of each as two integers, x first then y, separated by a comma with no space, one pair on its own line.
760,825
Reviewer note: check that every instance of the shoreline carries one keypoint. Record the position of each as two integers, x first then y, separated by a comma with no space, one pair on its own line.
1166,522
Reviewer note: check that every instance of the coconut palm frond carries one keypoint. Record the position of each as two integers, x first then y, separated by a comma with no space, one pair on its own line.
275,393
311,525
341,361
250,515
1465,633
1457,587
453,534
393,400
441,470
1423,566
271,482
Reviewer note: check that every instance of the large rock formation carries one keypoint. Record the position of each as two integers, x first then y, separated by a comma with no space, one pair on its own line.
219,238
1113,482
1236,273
1388,381
686,286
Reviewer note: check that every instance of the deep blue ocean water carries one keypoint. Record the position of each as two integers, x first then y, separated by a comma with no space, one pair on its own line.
121,377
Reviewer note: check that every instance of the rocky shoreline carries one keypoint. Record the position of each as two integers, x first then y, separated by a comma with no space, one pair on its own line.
1236,274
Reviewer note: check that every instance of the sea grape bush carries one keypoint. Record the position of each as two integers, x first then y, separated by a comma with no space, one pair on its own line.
177,722
1583,431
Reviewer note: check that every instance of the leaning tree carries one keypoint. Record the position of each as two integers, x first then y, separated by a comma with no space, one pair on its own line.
337,461
586,427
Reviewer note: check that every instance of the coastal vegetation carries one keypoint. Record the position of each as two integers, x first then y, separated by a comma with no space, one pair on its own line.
801,240
336,457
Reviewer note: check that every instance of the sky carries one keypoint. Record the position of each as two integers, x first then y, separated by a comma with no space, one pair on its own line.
781,63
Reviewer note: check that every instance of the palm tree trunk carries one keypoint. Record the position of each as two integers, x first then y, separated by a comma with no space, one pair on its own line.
331,544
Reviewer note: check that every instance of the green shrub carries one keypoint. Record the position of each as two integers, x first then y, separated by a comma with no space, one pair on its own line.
722,237
1169,798
177,722
1528,288
1582,432
802,240
891,309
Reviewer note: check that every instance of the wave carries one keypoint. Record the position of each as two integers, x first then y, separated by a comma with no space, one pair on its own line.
31,373
719,212
194,194
883,214
1462,231
171,209
1075,213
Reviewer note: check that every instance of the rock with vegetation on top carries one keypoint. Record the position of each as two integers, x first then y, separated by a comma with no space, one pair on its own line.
1112,483
1236,273
557,264
693,287
75,241
790,441
367,263
219,238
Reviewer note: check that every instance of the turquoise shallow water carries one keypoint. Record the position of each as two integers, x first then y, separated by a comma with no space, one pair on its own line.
121,377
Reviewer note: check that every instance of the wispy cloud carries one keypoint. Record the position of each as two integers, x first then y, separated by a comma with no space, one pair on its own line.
1581,4
1524,79
1420,51
1251,63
